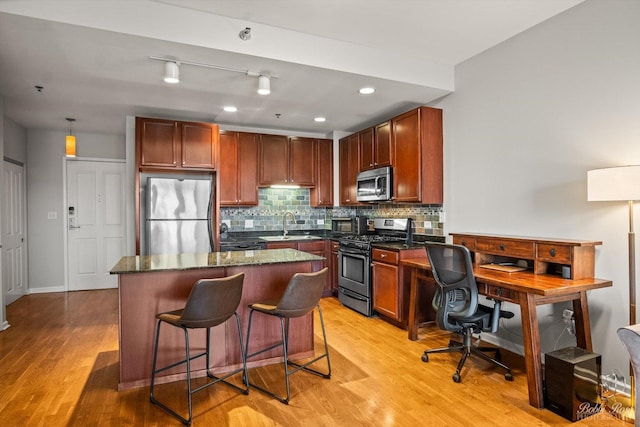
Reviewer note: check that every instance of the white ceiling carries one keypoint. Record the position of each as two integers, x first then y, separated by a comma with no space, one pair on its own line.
92,58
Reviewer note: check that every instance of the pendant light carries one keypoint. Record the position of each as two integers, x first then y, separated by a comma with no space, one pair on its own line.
70,149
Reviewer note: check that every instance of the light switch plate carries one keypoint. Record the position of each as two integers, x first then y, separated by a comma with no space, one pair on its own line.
248,223
52,215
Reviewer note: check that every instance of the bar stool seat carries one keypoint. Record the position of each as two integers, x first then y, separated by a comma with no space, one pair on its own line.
301,297
211,303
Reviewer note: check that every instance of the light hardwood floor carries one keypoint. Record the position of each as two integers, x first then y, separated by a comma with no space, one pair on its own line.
59,367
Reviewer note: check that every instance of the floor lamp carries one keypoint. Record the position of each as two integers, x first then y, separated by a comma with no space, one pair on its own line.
620,184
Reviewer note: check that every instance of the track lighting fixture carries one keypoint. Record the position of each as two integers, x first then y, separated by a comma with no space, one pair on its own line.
171,72
70,140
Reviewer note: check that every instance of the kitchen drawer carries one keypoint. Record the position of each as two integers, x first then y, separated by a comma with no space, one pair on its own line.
499,293
467,242
510,248
316,245
382,255
560,254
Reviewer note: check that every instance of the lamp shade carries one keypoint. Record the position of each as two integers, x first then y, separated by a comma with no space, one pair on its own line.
171,72
264,85
70,149
617,183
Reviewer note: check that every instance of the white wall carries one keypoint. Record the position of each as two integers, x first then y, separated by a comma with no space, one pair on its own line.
528,119
45,192
15,141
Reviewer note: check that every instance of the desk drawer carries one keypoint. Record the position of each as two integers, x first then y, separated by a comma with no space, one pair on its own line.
560,254
468,242
508,248
498,292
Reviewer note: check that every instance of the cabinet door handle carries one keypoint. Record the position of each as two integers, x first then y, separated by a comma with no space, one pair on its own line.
552,252
501,246
382,255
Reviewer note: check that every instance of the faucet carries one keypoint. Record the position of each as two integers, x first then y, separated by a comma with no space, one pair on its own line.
284,222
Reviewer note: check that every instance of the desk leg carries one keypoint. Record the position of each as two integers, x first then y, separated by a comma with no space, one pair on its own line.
532,355
413,309
583,324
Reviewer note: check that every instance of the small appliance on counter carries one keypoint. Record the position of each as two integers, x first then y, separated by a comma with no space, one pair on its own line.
357,225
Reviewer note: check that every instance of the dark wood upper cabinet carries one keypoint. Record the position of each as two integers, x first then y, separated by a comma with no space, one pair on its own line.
157,143
375,147
383,145
238,169
175,145
199,142
349,156
302,161
286,160
322,193
416,138
274,159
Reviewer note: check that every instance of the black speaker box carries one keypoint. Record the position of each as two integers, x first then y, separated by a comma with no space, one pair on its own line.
572,382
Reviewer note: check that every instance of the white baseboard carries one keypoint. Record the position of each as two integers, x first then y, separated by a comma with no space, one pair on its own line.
48,289
4,325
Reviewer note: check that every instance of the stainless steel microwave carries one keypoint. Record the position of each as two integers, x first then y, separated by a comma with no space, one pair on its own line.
375,185
357,225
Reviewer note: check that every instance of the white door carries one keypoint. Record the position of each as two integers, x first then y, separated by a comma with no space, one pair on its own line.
95,223
14,260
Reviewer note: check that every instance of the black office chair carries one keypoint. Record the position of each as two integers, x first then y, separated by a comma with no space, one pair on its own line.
211,302
457,308
301,297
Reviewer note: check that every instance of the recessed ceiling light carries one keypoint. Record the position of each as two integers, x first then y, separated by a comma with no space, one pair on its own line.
366,90
230,109
320,119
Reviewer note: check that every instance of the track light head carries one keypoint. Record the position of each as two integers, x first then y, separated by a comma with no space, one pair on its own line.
264,85
171,72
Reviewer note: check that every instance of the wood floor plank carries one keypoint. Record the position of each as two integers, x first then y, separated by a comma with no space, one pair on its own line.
59,367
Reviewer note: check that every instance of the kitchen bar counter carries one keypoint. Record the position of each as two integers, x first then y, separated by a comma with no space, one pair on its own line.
155,263
148,285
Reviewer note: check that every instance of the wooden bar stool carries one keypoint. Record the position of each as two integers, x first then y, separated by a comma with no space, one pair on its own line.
211,302
301,297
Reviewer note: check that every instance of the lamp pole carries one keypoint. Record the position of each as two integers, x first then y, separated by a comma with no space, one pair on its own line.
632,269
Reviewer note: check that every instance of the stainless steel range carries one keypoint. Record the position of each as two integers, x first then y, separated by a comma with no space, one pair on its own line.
354,255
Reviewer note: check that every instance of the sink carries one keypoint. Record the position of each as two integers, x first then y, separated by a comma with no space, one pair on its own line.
289,238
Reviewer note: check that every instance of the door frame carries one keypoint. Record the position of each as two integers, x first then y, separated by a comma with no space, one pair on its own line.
65,210
25,261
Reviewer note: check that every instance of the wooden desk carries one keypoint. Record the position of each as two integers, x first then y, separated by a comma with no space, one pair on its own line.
527,290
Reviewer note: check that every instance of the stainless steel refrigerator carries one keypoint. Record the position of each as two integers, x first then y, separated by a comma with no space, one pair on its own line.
178,215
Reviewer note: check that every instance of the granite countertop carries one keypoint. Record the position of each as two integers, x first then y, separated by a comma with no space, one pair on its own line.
153,263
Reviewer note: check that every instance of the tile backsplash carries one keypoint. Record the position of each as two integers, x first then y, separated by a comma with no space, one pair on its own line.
273,203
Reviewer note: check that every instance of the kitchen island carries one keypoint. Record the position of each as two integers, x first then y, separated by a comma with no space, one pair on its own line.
152,284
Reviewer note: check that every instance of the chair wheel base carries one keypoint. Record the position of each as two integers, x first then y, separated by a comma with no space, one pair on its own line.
425,358
456,378
508,376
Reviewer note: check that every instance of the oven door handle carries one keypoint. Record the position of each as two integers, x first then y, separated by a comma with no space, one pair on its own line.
349,251
351,294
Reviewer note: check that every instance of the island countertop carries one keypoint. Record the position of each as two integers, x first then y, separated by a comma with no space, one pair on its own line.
153,263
